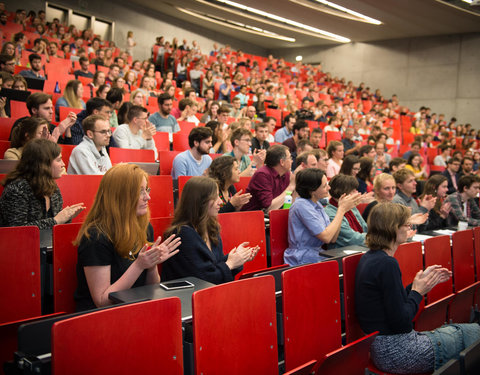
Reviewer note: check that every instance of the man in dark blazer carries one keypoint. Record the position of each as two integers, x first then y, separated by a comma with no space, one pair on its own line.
451,173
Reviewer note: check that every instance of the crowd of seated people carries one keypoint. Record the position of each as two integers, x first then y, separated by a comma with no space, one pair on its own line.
299,134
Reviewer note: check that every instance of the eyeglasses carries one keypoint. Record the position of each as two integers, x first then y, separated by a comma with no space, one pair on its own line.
409,226
248,140
103,132
144,193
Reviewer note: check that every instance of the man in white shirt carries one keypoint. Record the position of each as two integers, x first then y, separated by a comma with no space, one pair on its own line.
90,156
138,133
188,110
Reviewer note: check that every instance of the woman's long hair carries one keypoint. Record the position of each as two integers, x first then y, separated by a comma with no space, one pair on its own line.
26,131
431,187
35,166
221,170
193,209
114,211
70,94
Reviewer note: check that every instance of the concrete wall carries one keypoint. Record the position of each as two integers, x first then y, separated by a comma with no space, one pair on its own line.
442,72
145,24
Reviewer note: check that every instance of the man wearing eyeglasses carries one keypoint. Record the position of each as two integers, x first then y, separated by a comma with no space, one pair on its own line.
241,140
90,156
94,106
138,133
7,63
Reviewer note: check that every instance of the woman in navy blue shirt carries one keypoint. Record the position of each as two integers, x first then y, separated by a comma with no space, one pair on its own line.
201,253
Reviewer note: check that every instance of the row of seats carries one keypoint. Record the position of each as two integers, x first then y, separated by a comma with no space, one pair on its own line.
244,335
24,264
304,306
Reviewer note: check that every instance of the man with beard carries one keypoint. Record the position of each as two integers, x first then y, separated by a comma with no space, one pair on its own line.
193,162
163,120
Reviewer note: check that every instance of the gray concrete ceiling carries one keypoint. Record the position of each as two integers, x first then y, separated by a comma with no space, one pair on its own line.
400,19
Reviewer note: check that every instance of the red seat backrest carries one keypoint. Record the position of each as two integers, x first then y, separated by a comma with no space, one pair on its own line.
166,161
78,189
161,204
5,128
311,308
86,338
476,243
64,266
244,331
126,155
410,259
20,273
278,235
161,141
66,152
463,259
182,180
4,146
18,109
438,251
243,184
180,141
248,226
352,327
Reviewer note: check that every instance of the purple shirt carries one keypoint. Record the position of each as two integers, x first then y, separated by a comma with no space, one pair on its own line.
265,185
290,143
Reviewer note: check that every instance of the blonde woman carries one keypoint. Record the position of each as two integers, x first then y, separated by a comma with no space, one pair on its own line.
72,97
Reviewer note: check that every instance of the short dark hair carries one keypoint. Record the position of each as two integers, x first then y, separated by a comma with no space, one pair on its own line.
300,124
467,181
268,118
307,181
238,134
115,95
260,125
223,109
342,184
162,98
365,149
34,56
415,144
303,157
89,122
275,153
396,162
36,99
83,59
96,104
182,104
135,111
198,134
466,158
287,118
453,160
6,58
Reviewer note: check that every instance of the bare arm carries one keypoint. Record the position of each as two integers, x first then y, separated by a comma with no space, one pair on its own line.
98,277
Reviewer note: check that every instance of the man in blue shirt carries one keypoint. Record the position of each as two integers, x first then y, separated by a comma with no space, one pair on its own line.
225,89
193,162
163,120
36,67
287,131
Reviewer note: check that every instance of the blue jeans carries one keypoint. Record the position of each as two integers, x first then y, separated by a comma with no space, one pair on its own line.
449,340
